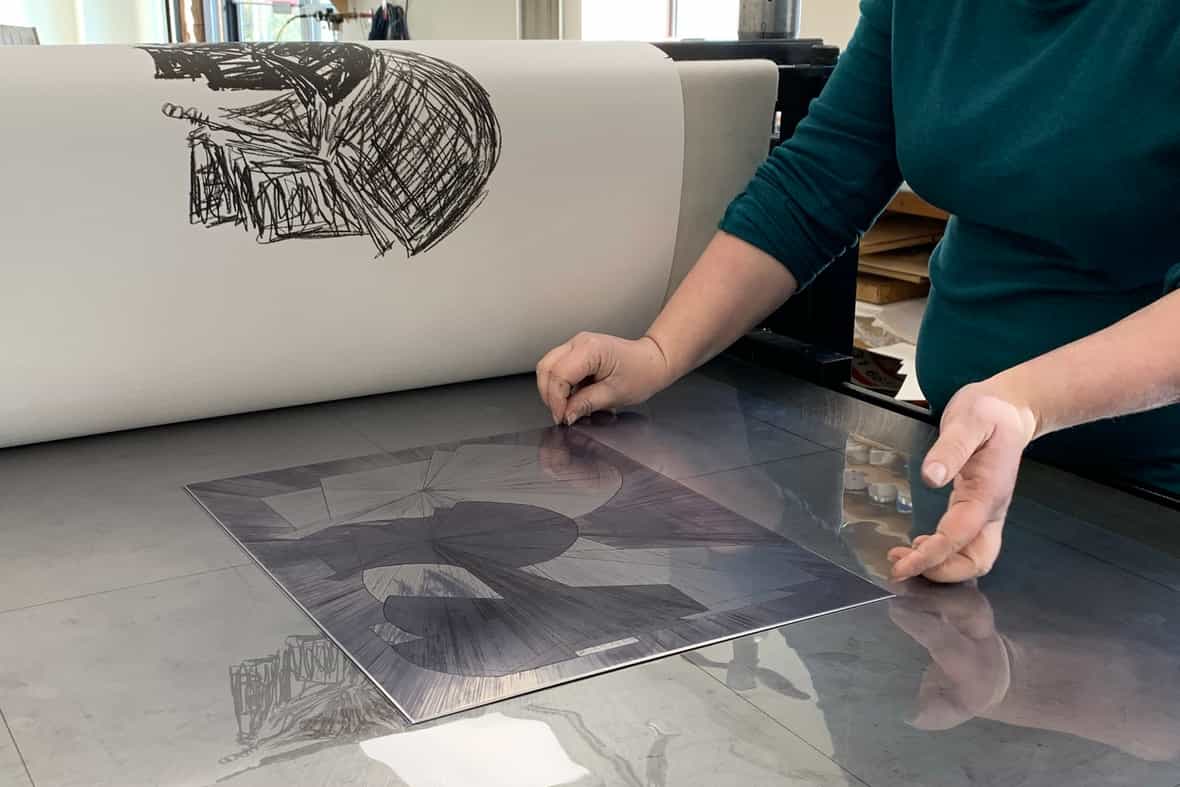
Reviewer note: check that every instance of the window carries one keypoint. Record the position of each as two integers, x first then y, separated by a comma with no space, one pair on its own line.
267,20
708,19
659,20
214,20
625,20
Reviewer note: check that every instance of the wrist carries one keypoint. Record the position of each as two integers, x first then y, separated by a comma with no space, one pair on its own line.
665,376
1015,388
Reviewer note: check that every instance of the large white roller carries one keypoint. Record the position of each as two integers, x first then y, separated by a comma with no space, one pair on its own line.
202,231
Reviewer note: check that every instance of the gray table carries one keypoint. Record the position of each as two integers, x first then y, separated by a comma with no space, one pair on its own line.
139,645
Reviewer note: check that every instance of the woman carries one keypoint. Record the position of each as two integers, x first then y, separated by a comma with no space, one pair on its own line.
1050,129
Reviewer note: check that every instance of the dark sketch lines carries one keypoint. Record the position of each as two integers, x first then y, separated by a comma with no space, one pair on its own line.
387,143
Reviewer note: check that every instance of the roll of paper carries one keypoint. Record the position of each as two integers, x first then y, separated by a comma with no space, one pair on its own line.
197,231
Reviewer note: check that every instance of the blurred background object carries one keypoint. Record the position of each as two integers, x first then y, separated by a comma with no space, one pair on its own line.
197,21
18,36
760,19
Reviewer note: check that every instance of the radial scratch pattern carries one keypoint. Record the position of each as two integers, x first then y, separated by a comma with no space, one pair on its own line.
460,574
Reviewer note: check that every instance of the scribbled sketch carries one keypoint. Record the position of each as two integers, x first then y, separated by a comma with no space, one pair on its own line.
307,697
460,574
298,701
387,143
301,698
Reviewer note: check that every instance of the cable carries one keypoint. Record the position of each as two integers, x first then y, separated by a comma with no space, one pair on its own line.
332,17
279,35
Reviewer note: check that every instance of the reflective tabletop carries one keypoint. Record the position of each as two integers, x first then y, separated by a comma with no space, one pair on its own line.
139,645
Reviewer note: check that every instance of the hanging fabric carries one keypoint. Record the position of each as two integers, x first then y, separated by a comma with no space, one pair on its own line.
390,23
399,25
380,27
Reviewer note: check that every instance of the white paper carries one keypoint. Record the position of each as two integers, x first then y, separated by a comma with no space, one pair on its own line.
905,352
867,311
910,390
903,319
118,312
902,351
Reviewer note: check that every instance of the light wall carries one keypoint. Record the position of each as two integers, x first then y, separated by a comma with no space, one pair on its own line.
451,19
573,19
54,19
831,20
462,19
120,21
88,21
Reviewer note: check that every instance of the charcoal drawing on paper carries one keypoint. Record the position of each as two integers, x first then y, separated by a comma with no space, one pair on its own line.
465,573
386,143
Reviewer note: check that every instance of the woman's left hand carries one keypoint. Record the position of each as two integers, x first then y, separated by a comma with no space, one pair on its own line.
984,431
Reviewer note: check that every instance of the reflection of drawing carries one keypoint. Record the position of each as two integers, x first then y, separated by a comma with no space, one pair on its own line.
463,573
303,697
386,143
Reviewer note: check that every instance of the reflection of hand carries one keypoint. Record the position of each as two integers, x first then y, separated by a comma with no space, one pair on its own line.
593,372
561,460
971,671
1062,678
984,431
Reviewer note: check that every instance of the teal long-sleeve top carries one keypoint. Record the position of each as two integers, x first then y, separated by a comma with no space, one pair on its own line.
1050,130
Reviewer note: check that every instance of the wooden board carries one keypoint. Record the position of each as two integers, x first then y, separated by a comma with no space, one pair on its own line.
899,231
911,265
881,290
911,203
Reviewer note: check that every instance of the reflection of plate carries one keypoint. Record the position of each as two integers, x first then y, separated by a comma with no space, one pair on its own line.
489,473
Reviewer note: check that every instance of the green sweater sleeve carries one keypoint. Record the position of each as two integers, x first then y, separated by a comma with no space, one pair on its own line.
822,189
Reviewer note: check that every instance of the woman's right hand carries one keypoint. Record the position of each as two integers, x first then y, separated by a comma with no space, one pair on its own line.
594,371
731,288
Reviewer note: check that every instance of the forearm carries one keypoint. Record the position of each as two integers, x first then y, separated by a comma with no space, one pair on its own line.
1132,366
731,289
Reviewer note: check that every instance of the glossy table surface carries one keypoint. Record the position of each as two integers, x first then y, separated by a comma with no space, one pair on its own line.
139,645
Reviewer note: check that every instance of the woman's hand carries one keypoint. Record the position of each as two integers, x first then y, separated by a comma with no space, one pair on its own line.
1114,695
971,670
984,431
593,372
987,426
731,289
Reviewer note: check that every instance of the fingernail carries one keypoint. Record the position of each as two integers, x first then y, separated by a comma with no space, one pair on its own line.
569,419
556,418
936,472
